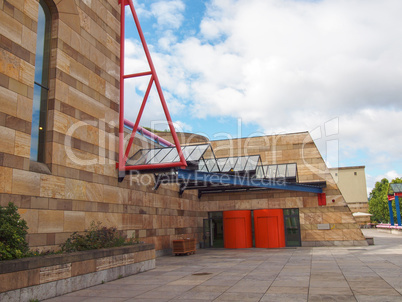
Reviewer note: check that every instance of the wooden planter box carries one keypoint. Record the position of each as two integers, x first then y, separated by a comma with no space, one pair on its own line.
184,246
49,276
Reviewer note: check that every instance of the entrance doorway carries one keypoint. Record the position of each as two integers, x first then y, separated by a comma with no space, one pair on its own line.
213,230
269,228
237,229
292,227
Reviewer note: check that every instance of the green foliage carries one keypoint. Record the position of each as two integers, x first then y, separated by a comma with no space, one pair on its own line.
156,131
96,237
378,201
37,253
13,230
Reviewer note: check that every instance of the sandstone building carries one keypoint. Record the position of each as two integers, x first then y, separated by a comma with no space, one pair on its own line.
352,183
59,108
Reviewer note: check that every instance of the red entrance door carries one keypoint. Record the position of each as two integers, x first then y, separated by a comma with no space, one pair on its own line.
269,228
237,229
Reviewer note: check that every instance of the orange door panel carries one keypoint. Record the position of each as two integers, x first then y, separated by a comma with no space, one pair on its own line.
269,228
237,229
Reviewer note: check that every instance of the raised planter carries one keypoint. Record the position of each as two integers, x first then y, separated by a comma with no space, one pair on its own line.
49,276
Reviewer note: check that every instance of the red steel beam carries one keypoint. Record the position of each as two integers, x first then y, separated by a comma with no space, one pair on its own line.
134,75
130,142
153,166
148,133
154,79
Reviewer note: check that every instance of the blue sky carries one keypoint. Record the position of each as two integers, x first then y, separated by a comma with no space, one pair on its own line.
252,67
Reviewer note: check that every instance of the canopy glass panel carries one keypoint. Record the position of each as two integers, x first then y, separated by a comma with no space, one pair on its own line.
291,170
221,162
395,188
208,165
287,172
239,164
192,153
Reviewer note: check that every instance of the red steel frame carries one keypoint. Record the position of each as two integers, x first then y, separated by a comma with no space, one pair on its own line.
123,155
149,133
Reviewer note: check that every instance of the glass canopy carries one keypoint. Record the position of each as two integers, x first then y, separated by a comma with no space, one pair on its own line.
209,171
239,164
201,157
287,172
193,154
395,188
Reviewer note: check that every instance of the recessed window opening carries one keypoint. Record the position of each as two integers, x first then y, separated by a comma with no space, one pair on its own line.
41,84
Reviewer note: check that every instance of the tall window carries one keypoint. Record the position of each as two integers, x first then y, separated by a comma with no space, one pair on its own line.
41,86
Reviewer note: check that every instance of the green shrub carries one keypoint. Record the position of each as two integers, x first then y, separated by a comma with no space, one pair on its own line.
96,237
13,230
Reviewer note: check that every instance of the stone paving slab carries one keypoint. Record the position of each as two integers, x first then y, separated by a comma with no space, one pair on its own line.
368,274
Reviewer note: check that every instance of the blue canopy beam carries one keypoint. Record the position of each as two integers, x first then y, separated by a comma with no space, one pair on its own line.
227,179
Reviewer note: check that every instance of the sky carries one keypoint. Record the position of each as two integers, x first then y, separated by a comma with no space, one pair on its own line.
240,68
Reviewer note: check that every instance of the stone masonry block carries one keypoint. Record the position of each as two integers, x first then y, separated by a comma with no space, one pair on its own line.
8,98
51,221
22,144
11,296
74,221
83,267
39,203
37,239
7,138
11,28
26,183
5,180
31,217
55,272
40,292
52,186
63,286
19,279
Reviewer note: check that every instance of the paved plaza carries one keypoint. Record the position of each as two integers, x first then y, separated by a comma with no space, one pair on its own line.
371,273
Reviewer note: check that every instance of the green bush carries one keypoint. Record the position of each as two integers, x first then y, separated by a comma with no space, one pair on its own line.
13,230
96,237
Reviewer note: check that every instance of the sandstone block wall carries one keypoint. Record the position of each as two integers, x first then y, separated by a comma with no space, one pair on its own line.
78,183
292,148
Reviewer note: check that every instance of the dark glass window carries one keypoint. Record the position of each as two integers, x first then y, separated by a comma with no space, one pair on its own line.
292,227
41,85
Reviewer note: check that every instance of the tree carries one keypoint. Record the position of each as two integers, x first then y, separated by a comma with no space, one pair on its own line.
378,201
13,230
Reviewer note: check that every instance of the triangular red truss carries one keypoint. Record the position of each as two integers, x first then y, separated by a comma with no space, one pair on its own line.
123,155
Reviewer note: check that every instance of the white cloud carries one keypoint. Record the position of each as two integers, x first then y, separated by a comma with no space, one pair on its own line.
371,180
167,40
290,66
140,9
168,13
182,127
291,57
390,175
135,88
